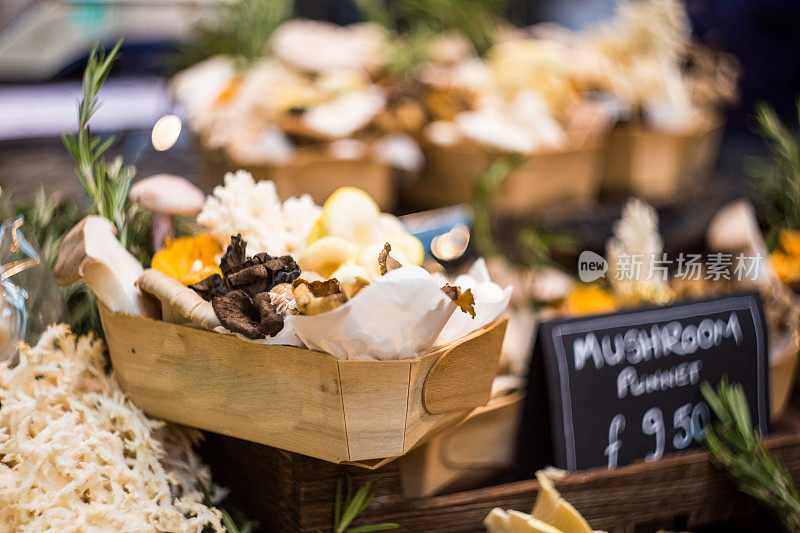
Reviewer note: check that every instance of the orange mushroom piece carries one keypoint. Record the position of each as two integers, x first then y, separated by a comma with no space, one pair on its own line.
189,259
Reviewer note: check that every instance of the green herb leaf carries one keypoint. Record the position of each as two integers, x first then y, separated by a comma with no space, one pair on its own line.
778,178
738,450
477,20
227,521
354,505
106,183
239,29
533,246
377,527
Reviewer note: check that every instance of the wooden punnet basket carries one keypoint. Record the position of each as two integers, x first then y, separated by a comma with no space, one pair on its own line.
467,455
311,170
659,166
548,179
358,412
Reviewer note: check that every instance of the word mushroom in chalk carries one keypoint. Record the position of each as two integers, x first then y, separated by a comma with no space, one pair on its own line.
637,345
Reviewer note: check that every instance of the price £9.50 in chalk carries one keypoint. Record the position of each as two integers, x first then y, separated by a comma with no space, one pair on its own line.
688,423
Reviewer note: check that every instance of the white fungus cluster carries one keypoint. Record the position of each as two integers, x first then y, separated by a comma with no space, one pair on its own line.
76,455
634,253
254,210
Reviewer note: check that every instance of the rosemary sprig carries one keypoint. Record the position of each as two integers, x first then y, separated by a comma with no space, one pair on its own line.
106,183
738,450
778,178
354,505
477,20
416,22
240,29
227,522
482,212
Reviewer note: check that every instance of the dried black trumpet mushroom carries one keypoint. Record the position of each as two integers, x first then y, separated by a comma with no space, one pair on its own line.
463,299
237,312
234,256
317,297
210,287
386,262
241,298
262,273
270,321
255,275
255,318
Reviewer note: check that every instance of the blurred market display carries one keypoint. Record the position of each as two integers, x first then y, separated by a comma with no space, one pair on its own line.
329,246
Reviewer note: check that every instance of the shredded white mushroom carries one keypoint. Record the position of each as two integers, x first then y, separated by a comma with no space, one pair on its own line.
76,455
254,210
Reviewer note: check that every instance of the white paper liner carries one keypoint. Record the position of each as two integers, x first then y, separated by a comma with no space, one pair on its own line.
398,316
491,301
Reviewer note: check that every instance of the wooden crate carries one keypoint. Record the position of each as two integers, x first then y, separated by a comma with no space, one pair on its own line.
289,492
296,399
314,171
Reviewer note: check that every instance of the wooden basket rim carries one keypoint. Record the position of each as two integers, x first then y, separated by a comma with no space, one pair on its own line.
434,351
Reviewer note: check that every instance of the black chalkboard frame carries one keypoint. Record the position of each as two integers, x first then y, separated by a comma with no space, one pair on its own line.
546,434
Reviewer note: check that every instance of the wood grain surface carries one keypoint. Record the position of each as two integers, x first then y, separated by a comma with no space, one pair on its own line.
296,399
289,492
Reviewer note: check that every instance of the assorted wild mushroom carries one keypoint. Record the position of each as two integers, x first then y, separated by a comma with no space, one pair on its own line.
241,297
179,304
351,265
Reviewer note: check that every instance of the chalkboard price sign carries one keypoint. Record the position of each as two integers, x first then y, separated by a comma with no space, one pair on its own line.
626,386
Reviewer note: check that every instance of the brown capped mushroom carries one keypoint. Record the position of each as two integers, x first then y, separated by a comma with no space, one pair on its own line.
463,299
167,196
316,297
386,262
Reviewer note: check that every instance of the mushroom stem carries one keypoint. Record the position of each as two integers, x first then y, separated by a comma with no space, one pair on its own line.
163,229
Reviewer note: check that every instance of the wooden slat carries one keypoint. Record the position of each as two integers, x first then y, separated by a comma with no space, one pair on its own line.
683,490
375,398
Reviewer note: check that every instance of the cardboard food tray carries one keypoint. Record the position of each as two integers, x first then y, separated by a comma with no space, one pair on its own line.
360,412
660,166
548,179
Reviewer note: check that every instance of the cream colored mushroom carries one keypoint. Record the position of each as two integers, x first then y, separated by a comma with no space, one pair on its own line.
167,196
179,303
734,229
91,253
